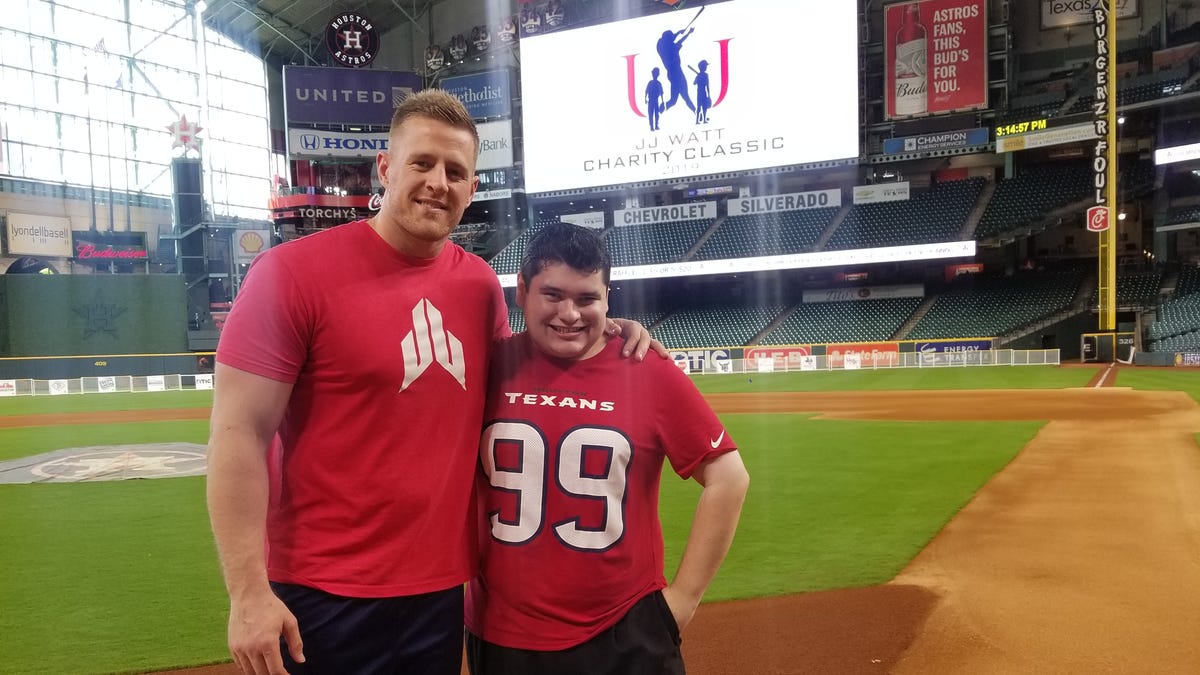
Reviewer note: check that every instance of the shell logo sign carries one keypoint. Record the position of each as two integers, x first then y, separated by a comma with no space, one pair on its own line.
250,243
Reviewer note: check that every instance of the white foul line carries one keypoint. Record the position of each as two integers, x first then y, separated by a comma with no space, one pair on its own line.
1104,376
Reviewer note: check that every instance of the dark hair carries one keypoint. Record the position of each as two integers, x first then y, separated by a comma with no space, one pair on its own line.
436,104
580,248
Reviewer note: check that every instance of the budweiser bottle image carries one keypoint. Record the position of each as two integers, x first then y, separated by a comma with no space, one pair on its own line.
909,86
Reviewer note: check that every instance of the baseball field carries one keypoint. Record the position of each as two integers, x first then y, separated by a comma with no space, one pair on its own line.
981,520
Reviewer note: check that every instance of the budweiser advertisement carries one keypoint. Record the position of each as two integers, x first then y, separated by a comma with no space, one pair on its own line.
716,88
935,57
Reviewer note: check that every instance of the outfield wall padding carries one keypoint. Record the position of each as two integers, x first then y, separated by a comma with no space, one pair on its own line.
82,314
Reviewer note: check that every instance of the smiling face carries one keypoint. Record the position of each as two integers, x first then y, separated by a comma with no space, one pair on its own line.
428,175
565,310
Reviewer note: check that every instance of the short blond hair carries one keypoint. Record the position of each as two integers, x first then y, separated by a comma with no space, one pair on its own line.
436,104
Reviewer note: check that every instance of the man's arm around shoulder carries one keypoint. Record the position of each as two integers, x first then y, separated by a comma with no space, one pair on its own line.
247,410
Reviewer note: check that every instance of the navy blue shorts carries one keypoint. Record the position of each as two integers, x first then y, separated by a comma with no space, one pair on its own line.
644,642
419,634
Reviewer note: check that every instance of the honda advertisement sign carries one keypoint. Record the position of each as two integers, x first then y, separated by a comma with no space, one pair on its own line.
317,143
484,94
343,95
935,57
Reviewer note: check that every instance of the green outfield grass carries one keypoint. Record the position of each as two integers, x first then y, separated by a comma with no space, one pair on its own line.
838,503
1186,380
71,403
122,576
25,441
106,577
898,379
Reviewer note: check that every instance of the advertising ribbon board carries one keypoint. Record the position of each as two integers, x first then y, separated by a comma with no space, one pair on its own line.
869,354
315,95
484,94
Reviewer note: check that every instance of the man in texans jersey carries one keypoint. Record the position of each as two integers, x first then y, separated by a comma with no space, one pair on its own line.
571,575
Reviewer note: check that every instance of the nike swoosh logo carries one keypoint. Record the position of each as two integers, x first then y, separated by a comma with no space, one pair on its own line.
717,441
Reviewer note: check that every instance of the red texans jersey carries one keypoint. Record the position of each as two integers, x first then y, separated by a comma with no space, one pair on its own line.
571,457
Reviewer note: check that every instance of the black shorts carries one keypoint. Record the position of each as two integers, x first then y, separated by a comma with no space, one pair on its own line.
644,642
419,634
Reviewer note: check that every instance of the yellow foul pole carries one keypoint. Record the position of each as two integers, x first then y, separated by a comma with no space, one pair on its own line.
1102,218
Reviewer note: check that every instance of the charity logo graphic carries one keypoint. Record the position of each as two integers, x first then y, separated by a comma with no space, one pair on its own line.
674,52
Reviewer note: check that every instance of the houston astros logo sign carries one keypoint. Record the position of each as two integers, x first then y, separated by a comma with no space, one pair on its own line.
352,40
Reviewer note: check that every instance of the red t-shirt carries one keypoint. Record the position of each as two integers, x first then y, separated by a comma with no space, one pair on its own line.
372,467
572,456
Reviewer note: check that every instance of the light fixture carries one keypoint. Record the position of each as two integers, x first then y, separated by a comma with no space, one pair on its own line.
1121,119
1121,216
200,6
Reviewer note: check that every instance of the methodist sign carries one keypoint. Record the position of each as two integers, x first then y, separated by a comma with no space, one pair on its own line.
484,94
45,236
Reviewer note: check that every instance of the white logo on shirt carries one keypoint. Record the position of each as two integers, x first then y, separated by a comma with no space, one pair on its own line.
717,441
429,343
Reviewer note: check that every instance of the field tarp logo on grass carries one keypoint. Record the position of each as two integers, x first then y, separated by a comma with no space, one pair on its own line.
107,462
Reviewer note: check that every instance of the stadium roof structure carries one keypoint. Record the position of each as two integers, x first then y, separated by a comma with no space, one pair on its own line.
286,32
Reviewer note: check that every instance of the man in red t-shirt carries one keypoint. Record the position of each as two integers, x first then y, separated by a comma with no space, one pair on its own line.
574,440
350,384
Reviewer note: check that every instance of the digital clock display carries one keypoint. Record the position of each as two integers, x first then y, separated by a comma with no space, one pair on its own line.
1020,127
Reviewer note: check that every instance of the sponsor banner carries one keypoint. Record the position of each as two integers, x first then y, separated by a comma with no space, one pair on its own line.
156,383
795,201
1187,359
852,361
204,381
46,236
1059,13
783,358
808,363
492,195
249,243
793,261
707,360
8,387
495,145
1041,139
766,365
103,247
1179,153
317,143
484,94
935,57
884,192
953,271
344,96
691,92
58,387
865,293
942,141
106,385
665,214
869,354
928,349
592,219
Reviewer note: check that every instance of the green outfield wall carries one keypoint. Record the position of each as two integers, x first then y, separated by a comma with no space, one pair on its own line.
81,314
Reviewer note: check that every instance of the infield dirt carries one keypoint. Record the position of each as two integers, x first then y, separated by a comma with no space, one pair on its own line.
1081,556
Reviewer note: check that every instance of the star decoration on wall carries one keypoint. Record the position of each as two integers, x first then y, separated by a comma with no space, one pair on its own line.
184,134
